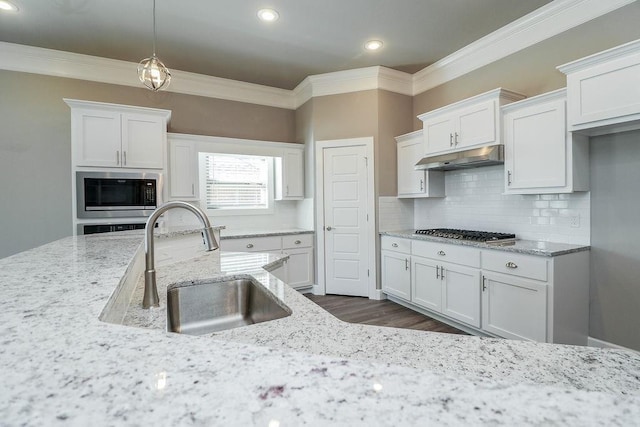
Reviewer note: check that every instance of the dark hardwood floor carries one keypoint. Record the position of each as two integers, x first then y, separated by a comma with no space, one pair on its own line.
379,313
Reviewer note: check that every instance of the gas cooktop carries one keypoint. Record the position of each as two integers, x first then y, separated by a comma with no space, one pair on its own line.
476,236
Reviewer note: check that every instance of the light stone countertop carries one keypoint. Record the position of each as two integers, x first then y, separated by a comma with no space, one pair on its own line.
236,234
529,247
61,365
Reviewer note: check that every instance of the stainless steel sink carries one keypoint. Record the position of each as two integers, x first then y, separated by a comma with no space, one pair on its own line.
206,306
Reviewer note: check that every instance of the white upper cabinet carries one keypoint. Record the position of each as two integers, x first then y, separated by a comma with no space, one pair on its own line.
289,172
541,156
416,183
120,136
604,91
183,169
469,123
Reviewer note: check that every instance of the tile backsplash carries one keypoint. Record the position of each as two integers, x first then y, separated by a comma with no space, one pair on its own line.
475,200
395,214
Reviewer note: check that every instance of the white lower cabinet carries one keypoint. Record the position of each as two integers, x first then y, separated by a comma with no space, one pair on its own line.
297,271
493,292
426,286
461,293
396,274
514,308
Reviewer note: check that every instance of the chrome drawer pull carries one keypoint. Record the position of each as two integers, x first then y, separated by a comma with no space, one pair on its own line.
511,265
297,242
395,245
250,245
441,253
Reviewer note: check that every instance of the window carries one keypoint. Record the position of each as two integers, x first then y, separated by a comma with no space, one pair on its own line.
235,183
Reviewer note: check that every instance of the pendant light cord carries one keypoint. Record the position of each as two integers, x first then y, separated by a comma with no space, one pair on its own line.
154,27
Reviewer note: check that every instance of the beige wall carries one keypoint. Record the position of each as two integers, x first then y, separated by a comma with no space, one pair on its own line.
35,144
532,71
394,118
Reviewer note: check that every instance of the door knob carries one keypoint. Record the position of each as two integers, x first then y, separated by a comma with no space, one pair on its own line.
329,228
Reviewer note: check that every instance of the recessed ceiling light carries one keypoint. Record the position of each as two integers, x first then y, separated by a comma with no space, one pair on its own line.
8,6
268,15
373,45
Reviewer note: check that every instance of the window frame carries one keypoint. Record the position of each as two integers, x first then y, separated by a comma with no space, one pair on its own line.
236,211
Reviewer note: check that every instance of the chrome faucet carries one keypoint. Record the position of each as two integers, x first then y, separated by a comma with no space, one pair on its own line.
150,298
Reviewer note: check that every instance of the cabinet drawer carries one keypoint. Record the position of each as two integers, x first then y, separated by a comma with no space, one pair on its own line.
297,241
396,244
447,253
253,244
531,267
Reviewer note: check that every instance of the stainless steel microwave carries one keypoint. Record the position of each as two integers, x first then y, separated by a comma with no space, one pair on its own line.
117,194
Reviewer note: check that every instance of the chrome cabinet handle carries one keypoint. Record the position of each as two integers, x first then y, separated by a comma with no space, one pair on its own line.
395,245
193,189
250,245
329,228
437,271
508,177
484,283
118,157
441,253
297,242
456,139
406,264
441,272
124,158
511,265
421,184
450,140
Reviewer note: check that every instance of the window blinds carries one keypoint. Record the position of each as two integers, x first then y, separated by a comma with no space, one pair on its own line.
236,181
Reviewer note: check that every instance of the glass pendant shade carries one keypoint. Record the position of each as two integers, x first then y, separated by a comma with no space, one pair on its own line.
151,71
153,74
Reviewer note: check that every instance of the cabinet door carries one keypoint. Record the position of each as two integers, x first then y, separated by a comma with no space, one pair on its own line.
476,125
182,170
98,138
396,274
461,293
299,267
514,308
289,174
426,285
438,133
535,147
143,141
411,182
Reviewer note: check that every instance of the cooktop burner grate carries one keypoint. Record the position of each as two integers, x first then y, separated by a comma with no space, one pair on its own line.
477,236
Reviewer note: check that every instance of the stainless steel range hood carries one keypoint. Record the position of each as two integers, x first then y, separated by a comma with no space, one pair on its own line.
473,158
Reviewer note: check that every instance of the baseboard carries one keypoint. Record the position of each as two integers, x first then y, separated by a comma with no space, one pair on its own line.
595,342
377,295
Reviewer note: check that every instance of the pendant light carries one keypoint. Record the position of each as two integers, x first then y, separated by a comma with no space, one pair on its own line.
151,71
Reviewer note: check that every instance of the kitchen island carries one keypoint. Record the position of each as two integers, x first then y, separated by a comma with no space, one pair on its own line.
62,365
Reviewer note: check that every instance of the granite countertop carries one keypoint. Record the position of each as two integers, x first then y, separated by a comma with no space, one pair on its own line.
61,365
237,234
529,247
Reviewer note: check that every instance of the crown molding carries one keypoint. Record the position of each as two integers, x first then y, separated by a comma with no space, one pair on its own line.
356,80
29,59
541,24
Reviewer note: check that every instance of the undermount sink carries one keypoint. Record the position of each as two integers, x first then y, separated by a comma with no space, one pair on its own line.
205,306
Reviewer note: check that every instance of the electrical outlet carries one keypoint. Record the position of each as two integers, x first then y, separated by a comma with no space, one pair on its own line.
575,221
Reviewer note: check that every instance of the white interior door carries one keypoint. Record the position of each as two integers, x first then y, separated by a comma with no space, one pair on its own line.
345,220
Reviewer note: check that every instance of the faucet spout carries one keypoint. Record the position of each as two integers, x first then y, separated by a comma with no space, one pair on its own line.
150,298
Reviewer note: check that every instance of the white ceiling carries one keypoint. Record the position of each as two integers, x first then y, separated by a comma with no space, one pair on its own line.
224,38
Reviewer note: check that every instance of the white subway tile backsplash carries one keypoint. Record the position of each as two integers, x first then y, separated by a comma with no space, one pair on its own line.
475,200
395,214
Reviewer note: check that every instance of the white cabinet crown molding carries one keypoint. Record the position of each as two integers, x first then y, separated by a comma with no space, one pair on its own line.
502,93
120,108
600,57
558,93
